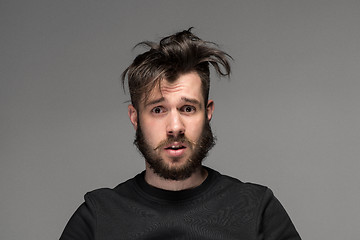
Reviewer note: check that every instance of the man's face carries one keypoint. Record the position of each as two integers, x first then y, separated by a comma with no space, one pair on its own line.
172,127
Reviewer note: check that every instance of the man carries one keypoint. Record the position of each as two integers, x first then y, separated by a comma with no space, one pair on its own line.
176,197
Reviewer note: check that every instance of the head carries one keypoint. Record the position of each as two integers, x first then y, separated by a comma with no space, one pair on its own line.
173,56
169,88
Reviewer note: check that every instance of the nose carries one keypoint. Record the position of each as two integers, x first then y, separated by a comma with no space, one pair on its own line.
175,126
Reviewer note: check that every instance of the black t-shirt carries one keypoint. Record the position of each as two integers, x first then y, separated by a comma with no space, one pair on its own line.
220,208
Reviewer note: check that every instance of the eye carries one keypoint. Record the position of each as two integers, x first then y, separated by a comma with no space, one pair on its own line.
157,110
188,109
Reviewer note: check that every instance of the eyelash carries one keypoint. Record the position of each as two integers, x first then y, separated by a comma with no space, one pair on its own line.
160,108
182,109
193,109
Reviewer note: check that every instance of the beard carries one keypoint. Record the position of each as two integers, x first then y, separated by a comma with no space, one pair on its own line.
200,150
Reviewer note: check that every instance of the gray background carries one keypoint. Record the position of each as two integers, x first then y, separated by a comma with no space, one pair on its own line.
288,118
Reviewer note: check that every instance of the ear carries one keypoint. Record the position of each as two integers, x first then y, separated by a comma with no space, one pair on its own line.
210,109
133,115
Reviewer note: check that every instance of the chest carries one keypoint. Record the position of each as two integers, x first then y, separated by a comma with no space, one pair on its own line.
216,218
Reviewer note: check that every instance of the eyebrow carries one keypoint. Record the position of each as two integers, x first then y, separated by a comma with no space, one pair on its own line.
192,100
185,99
155,101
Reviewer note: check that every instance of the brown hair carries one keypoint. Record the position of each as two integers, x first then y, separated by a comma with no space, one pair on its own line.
177,54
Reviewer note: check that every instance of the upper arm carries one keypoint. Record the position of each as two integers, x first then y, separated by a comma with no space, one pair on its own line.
274,222
81,225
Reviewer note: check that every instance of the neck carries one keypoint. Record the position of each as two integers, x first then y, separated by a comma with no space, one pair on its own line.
196,179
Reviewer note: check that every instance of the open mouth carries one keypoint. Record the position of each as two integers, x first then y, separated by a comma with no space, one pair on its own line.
175,147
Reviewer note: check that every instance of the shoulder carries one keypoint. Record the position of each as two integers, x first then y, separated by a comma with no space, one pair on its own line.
250,197
239,187
107,197
257,202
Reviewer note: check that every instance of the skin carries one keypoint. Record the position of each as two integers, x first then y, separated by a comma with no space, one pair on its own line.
177,108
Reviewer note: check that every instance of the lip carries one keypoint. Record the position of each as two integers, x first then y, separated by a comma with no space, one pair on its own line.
176,144
175,152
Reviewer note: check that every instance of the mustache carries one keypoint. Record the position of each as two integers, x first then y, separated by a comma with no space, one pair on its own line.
181,139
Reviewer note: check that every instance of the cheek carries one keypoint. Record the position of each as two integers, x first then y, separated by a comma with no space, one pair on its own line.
153,131
194,129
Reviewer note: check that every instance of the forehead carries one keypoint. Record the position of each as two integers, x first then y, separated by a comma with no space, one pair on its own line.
186,85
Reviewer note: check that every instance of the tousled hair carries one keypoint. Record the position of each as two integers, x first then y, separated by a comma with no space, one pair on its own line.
173,56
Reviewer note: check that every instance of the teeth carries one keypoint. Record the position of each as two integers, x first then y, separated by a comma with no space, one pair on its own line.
175,147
